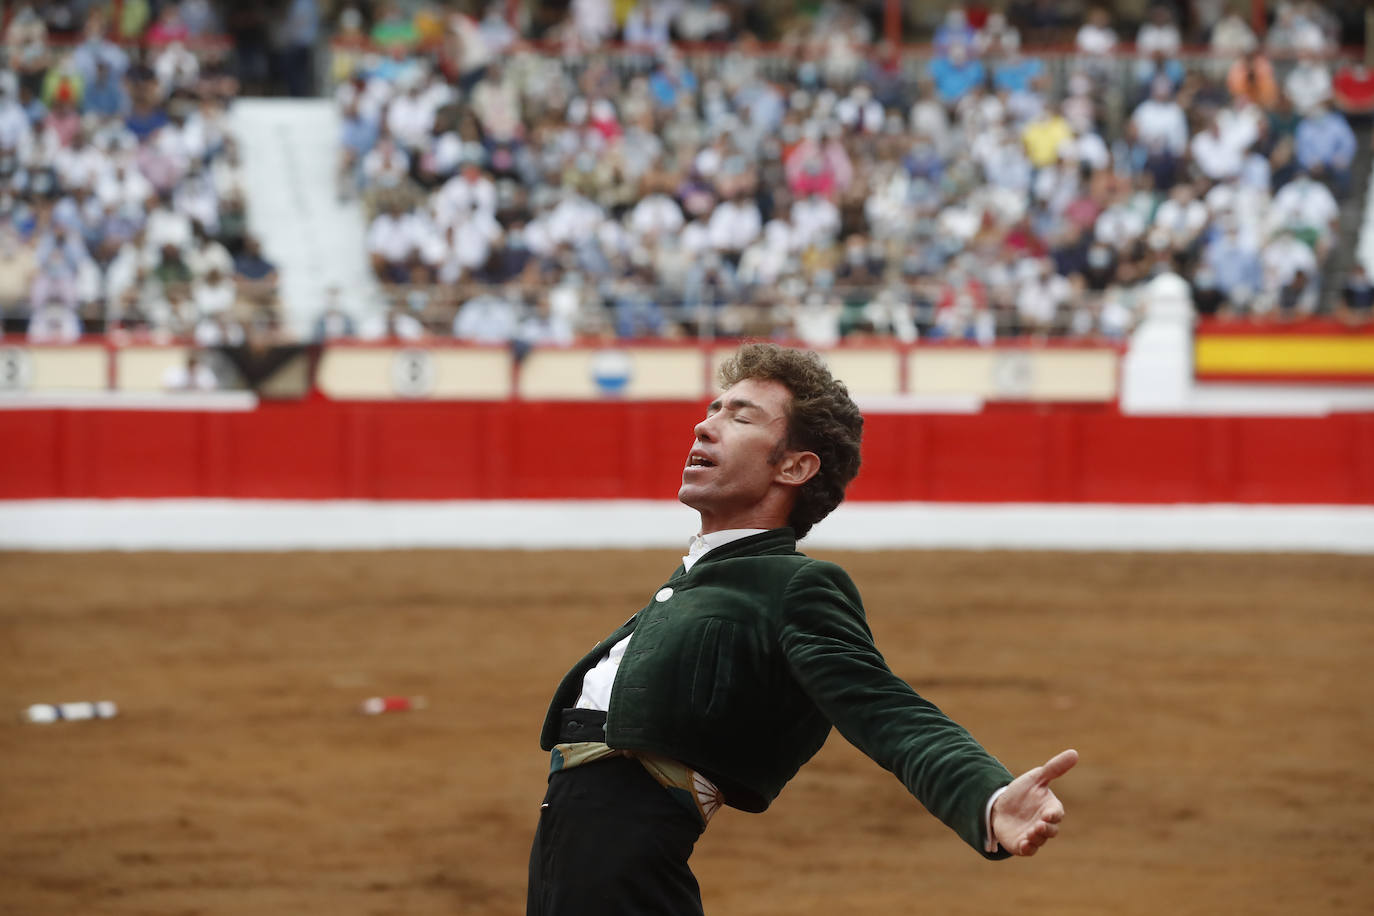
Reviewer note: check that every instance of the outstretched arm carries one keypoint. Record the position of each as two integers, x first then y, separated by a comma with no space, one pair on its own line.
1027,814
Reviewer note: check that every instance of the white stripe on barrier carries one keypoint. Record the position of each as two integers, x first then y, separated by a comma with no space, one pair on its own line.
210,525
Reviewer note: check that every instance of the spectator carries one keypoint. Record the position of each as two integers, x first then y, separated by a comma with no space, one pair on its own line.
387,166
194,374
213,294
671,80
1352,90
647,24
1308,84
1159,35
487,318
170,270
1357,297
545,327
1252,77
1096,36
955,74
1325,147
1158,125
1281,260
1182,217
468,47
393,324
1233,36
997,37
1307,208
255,276
333,323
105,95
1298,297
54,323
298,34
168,28
18,268
1044,137
1234,265
96,51
1216,156
955,30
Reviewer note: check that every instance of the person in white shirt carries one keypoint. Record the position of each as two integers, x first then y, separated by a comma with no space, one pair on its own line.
54,323
1160,33
1158,123
176,68
1232,36
1306,205
574,219
395,323
1182,216
816,321
410,118
214,293
734,224
81,165
465,194
1096,35
205,254
1040,298
167,226
815,221
655,215
1308,84
1213,155
929,119
1119,224
219,331
1281,260
123,185
191,375
386,165
389,243
859,111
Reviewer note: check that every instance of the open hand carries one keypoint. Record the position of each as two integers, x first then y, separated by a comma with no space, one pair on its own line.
1027,814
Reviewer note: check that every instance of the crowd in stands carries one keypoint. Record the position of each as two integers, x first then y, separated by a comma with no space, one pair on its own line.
122,202
612,181
519,193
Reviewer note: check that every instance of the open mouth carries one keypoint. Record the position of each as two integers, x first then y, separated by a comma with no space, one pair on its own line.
697,461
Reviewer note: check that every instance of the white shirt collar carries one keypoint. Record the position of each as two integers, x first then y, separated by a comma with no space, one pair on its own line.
701,544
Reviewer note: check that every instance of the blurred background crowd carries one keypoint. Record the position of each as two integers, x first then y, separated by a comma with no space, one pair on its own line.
532,173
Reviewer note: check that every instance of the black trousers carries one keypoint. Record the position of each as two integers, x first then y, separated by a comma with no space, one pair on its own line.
611,841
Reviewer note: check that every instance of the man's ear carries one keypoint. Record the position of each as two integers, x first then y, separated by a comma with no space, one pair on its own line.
796,468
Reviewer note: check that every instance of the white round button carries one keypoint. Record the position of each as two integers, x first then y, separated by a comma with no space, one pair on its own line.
663,594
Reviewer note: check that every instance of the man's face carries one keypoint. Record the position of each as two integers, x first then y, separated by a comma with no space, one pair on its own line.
736,458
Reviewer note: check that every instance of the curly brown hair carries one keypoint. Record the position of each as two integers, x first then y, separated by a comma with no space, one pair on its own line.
821,418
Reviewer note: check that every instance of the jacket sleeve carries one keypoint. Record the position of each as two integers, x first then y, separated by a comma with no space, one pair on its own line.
831,653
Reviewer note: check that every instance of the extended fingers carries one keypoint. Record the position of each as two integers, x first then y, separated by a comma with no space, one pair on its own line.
1036,837
1058,765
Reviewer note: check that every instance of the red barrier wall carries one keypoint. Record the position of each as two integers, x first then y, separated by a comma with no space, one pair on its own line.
322,450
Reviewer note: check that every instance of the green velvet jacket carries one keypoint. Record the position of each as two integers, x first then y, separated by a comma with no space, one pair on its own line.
743,667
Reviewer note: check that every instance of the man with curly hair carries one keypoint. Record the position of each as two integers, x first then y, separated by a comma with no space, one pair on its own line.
731,677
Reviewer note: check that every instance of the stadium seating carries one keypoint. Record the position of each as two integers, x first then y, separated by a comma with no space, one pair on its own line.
827,188
122,205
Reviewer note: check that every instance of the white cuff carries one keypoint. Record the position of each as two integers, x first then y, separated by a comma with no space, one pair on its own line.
990,843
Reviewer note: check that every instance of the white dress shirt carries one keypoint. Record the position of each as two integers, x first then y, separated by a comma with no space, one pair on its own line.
596,686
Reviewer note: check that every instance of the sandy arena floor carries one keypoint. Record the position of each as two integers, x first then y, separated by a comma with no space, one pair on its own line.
1222,706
